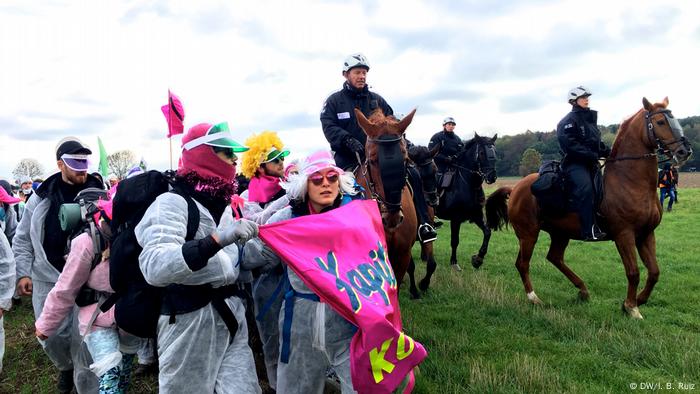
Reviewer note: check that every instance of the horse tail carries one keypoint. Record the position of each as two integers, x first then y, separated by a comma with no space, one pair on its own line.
497,208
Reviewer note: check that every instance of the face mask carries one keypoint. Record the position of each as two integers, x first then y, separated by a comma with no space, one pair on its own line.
27,190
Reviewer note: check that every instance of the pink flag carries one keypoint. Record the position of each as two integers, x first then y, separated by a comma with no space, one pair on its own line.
347,266
174,114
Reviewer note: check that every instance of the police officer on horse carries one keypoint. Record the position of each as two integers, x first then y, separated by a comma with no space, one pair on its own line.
451,145
579,140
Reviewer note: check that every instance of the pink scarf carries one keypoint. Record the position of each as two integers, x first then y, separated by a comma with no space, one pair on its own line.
263,187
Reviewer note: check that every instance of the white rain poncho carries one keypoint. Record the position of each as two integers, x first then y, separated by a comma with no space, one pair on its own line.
196,353
65,349
320,338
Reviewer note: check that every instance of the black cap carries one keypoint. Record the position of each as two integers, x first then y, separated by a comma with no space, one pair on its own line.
72,146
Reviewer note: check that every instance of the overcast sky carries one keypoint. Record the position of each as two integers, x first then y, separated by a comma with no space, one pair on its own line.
93,68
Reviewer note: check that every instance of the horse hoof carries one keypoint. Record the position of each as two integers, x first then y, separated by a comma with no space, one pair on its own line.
477,261
633,312
423,285
583,295
456,267
414,295
534,299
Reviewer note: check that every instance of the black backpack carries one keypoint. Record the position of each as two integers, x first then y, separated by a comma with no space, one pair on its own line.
138,304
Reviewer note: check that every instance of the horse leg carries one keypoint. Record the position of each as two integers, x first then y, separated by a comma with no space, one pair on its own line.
478,260
626,248
647,252
522,263
455,225
427,256
412,278
556,257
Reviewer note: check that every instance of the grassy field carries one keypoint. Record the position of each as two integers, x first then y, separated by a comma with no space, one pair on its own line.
483,336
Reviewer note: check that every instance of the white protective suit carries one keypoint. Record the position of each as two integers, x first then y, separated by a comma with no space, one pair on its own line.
7,286
320,338
196,354
65,349
267,295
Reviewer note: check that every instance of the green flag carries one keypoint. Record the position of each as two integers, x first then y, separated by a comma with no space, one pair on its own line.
104,168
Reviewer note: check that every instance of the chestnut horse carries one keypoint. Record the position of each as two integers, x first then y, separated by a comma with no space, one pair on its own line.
630,205
422,157
383,176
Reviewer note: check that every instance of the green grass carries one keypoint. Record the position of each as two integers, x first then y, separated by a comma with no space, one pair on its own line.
482,335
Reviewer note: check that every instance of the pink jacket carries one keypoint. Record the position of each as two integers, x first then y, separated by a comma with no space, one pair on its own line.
61,299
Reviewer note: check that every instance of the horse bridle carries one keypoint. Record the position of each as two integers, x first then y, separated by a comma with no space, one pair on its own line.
371,185
478,170
661,146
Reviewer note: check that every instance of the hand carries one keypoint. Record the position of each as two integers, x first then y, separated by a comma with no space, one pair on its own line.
354,145
449,159
24,286
40,335
241,230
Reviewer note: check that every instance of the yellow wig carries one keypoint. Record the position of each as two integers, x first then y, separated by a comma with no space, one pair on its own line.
260,145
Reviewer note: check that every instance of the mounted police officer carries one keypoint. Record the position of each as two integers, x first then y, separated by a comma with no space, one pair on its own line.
347,138
579,139
451,145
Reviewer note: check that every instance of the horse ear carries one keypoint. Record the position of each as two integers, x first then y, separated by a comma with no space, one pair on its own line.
435,150
403,124
364,123
665,102
494,138
476,135
647,105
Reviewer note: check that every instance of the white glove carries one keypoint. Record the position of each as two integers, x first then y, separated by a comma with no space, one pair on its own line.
241,230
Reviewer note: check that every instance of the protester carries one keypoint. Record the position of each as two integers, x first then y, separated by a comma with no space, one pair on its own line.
39,249
8,215
202,334
112,350
7,287
668,180
319,186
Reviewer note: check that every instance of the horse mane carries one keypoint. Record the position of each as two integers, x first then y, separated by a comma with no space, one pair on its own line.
419,154
622,132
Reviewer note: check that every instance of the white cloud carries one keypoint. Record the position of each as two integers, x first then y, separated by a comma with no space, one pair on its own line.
103,69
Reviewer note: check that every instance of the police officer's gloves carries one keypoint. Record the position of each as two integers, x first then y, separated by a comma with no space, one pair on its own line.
241,230
603,150
450,160
354,145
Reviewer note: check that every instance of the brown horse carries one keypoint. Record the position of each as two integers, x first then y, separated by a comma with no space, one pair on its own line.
630,205
383,176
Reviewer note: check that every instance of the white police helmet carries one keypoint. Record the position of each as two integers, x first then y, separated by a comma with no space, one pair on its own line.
355,60
448,119
578,92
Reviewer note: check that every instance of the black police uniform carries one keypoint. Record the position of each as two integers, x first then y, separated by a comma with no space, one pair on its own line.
579,139
339,123
451,146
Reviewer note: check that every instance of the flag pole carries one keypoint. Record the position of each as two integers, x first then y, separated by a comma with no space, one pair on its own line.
171,152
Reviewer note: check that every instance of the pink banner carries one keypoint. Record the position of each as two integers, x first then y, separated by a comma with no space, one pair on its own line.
347,266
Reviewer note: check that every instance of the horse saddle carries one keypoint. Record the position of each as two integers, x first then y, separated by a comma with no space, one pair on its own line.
552,194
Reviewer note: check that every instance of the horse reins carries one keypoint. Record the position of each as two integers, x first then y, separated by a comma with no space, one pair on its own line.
662,147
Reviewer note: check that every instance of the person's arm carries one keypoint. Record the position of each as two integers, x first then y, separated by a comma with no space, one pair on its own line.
10,223
22,246
7,275
335,135
60,300
570,141
441,158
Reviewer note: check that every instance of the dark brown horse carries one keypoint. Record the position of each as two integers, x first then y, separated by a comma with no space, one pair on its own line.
630,205
422,157
383,176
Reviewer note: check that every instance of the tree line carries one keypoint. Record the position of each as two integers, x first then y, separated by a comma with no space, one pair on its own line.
522,154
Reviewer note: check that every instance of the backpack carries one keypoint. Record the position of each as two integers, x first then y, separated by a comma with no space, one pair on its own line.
138,304
77,218
549,188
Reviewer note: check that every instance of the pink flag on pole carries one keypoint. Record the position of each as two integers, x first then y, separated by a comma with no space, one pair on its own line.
347,266
174,114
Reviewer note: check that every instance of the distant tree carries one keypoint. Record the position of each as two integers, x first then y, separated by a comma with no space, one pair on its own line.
530,162
28,167
121,162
